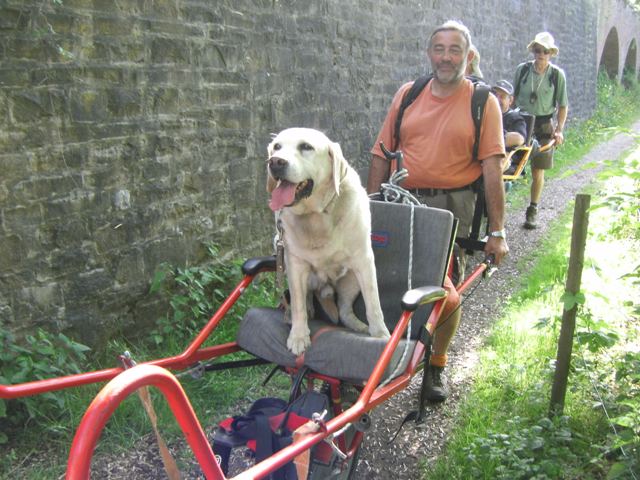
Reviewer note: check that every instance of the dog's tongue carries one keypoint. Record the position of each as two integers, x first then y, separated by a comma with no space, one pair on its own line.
283,195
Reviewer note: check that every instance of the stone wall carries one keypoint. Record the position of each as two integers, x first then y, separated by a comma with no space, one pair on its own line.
133,131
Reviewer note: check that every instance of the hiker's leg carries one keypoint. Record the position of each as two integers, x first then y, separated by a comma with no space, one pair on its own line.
537,183
448,323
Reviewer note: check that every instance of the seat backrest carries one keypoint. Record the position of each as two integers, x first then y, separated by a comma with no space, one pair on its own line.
391,228
530,121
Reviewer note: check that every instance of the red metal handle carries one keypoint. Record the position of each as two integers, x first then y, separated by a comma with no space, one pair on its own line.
110,397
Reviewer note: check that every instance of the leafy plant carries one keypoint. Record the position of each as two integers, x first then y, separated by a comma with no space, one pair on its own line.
195,292
524,450
625,443
39,356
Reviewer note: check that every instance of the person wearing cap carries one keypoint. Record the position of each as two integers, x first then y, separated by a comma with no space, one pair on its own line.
513,123
541,90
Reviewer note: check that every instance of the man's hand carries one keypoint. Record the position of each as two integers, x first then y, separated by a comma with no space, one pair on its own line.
558,137
497,247
562,118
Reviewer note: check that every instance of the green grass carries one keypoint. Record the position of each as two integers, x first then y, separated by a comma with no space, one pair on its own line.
504,430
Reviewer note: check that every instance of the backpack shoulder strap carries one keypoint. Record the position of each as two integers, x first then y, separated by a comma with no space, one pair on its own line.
553,80
478,101
407,100
524,73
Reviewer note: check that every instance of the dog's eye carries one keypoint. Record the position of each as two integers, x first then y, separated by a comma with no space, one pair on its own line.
305,147
277,146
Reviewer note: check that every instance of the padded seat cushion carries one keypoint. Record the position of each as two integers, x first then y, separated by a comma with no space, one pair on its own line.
335,351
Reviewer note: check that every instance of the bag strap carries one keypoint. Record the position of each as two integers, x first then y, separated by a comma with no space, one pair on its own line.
553,79
478,101
169,463
524,73
407,100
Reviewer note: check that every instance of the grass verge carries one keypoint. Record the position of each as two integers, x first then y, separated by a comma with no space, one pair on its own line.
504,430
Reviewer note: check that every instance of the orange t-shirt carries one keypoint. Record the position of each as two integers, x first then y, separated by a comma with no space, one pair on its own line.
437,136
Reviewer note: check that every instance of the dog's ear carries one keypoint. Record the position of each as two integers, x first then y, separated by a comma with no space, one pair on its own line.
339,165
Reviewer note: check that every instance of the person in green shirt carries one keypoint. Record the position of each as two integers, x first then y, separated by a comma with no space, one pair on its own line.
541,90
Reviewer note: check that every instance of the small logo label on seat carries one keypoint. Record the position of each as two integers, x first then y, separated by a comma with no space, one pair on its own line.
379,239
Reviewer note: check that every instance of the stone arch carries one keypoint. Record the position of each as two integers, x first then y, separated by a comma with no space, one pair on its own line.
610,59
630,67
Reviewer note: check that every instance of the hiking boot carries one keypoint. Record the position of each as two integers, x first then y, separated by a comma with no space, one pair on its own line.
436,390
530,217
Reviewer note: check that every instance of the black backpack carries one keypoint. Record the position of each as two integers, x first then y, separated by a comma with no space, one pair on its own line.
478,101
524,74
257,425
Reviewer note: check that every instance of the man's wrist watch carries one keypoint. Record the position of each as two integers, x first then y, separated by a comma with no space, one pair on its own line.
499,234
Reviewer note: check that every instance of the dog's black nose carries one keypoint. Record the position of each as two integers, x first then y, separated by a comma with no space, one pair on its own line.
278,167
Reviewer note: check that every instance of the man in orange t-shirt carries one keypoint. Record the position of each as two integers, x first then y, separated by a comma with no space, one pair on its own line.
436,137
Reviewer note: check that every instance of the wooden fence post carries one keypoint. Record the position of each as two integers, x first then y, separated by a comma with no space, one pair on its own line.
574,275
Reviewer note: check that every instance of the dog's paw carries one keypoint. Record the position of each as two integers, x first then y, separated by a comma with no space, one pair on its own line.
352,322
379,331
298,343
359,326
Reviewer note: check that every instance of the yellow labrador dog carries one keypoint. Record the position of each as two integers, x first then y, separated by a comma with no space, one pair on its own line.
326,228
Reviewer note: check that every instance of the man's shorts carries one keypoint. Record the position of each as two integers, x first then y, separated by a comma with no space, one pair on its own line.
461,203
543,132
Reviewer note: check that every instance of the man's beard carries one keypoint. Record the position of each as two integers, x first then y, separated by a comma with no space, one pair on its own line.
452,76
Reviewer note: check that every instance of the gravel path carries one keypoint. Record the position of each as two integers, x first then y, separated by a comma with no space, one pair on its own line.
417,443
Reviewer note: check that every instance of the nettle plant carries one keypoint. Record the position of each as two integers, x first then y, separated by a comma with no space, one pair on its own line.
537,450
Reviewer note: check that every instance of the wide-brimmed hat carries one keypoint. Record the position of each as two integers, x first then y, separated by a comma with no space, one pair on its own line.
545,40
505,86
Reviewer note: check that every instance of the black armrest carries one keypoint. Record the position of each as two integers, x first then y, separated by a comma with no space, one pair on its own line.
412,299
256,265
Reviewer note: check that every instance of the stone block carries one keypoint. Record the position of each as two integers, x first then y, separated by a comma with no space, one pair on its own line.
113,25
29,106
124,102
68,237
12,253
170,50
44,298
13,77
85,286
163,100
88,106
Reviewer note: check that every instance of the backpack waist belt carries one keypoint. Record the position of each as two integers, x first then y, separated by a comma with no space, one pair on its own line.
432,192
